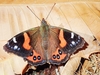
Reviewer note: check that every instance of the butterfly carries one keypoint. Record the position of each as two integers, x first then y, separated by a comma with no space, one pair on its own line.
45,44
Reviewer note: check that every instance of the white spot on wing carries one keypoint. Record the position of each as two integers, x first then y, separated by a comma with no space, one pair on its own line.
15,47
78,37
71,45
73,42
18,49
72,35
14,40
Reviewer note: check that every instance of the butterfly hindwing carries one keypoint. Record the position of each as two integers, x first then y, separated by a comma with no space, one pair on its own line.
69,42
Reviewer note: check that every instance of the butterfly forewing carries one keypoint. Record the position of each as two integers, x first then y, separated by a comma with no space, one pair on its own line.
15,45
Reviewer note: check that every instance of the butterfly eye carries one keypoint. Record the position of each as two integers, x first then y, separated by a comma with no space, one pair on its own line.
34,58
58,57
54,56
31,54
38,57
60,52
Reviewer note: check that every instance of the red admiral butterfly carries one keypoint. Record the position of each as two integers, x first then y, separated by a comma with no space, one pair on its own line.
45,44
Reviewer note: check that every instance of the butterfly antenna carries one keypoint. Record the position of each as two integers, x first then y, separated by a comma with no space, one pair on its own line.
33,13
50,10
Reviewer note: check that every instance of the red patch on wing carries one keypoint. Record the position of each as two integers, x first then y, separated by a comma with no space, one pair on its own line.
63,42
61,56
35,54
26,44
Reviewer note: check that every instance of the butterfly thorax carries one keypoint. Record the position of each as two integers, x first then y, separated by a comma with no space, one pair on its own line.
44,32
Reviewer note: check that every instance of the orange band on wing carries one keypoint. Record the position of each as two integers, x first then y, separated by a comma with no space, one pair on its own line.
26,42
62,40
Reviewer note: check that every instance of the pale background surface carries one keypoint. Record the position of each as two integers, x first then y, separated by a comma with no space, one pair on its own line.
42,1
82,17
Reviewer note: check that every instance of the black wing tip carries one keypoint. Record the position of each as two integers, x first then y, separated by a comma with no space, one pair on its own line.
6,48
